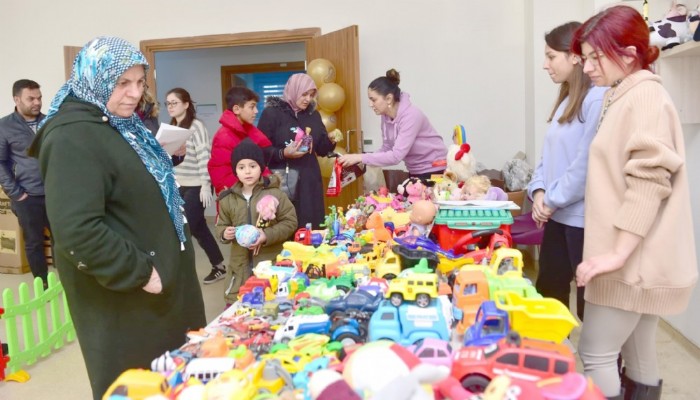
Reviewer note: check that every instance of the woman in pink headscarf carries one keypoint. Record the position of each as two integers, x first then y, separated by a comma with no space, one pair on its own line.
280,121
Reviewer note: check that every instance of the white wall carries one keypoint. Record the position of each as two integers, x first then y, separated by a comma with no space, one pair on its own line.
462,62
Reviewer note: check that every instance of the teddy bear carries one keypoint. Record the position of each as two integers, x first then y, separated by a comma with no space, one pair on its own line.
446,189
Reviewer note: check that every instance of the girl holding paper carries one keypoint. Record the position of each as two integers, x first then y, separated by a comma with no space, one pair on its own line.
193,177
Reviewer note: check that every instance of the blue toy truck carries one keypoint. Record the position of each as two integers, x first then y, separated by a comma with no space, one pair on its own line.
408,323
490,325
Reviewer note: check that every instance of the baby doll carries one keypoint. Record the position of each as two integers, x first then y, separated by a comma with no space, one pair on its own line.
422,216
478,187
461,164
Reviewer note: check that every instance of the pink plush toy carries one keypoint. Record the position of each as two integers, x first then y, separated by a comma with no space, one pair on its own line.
414,189
267,210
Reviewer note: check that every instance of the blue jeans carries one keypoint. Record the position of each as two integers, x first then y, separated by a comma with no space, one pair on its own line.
31,214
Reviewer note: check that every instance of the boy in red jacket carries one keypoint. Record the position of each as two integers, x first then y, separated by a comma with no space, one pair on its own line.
236,124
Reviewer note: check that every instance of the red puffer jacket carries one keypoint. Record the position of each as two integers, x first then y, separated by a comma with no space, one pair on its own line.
226,139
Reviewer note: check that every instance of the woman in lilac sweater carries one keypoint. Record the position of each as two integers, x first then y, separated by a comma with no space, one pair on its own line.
404,126
559,181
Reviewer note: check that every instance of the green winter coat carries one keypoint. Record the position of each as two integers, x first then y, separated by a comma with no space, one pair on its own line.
234,210
110,227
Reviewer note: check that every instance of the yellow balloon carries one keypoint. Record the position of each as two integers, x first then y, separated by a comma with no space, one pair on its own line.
321,71
330,121
331,97
326,163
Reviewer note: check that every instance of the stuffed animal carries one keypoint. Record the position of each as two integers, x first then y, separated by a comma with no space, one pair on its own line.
422,216
672,30
335,135
328,384
461,164
478,187
446,190
415,189
381,233
267,209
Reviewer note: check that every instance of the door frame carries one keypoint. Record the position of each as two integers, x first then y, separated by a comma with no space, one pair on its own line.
152,46
228,70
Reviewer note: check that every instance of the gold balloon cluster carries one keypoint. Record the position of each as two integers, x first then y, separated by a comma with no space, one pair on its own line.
331,98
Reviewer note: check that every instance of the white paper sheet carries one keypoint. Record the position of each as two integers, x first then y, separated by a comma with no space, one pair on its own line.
172,137
487,204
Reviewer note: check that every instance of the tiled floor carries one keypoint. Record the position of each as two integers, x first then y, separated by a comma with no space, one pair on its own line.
62,375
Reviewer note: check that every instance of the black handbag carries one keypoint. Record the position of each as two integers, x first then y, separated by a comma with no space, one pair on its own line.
289,178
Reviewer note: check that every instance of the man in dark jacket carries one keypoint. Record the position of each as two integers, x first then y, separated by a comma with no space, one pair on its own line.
20,176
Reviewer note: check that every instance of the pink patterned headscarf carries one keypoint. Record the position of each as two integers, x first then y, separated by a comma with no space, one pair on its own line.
297,85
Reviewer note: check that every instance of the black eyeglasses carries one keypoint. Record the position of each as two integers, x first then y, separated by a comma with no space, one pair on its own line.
171,103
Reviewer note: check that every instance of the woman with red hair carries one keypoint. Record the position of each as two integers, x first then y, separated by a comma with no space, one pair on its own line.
636,264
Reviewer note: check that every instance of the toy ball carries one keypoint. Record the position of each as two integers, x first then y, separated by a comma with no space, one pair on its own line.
321,71
375,364
331,97
246,235
330,121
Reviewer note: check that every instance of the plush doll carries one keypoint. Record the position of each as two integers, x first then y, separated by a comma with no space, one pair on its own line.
381,233
415,189
446,190
461,164
267,209
335,135
478,187
422,216
672,30
328,384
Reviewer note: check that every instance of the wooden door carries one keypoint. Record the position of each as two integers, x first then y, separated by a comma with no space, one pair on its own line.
69,53
342,49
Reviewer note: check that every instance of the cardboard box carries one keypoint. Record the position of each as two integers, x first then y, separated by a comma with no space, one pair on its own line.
13,260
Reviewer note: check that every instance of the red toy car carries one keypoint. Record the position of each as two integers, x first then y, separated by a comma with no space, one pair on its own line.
525,359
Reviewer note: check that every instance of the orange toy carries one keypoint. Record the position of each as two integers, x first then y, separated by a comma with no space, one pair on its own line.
214,347
381,233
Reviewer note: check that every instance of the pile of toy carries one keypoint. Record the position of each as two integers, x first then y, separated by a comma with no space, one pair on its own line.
401,296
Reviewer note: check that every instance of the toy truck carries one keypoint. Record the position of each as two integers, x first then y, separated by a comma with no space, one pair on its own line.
347,332
545,318
409,257
417,287
408,324
474,284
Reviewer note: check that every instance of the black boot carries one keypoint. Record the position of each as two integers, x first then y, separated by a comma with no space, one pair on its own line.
637,391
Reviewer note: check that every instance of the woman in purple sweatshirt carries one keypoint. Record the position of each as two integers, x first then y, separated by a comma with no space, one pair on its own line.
407,135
